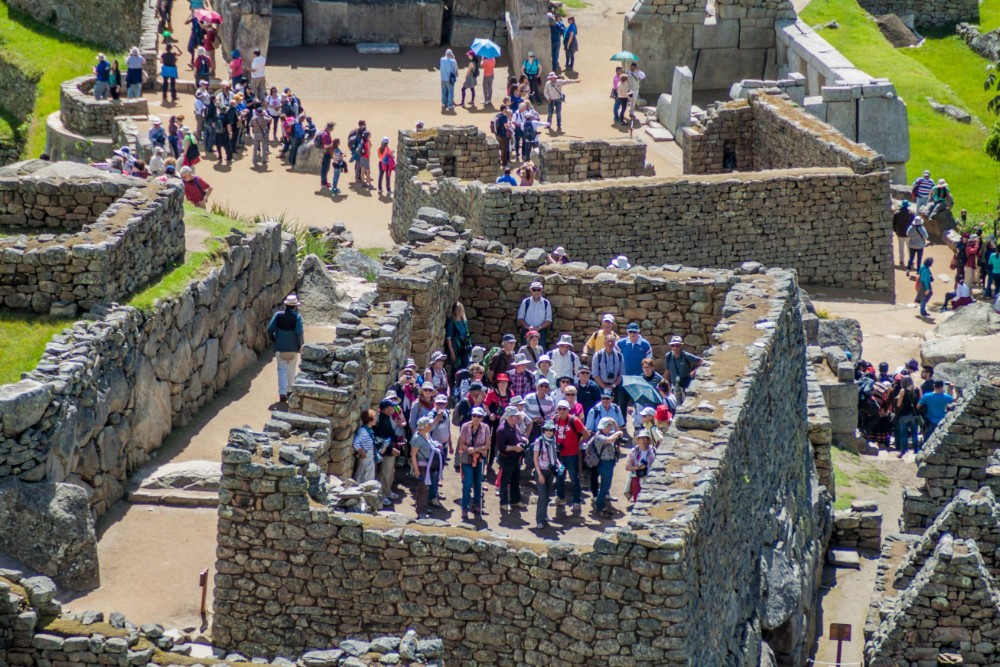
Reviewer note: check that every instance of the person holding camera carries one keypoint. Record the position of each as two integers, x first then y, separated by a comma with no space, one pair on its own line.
365,449
547,468
639,461
473,447
607,449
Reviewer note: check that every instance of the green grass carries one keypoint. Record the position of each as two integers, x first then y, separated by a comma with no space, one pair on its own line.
57,56
943,69
989,16
374,253
575,4
25,338
196,264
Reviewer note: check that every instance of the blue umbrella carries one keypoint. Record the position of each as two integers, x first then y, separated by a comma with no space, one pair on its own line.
640,391
484,48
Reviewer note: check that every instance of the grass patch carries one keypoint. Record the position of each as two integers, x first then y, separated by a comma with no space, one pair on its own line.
196,264
939,69
874,478
822,313
844,500
306,243
374,253
575,4
58,58
25,337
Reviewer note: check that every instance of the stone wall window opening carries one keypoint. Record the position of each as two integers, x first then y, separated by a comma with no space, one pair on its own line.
729,160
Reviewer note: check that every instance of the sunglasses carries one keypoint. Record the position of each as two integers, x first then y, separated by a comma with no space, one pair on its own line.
563,409
536,289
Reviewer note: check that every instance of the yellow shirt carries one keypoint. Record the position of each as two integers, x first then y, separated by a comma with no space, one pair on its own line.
594,343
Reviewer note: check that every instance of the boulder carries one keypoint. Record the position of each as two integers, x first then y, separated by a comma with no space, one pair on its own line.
934,352
323,301
22,404
356,263
844,333
49,528
976,319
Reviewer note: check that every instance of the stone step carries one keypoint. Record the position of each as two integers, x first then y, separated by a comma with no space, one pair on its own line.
174,498
839,557
368,48
658,133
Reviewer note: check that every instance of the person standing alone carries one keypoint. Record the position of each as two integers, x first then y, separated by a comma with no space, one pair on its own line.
287,332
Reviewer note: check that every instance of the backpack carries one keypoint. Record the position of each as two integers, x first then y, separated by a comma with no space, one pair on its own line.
530,134
298,131
498,125
591,457
352,139
488,357
318,141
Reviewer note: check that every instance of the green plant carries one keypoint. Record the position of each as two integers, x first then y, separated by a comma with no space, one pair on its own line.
374,253
173,282
844,500
25,337
822,313
310,244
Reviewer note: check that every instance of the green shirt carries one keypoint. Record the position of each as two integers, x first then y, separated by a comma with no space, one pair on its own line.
995,262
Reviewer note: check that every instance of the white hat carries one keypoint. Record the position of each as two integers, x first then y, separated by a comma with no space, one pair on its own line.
478,412
520,360
606,422
423,422
155,120
511,411
292,300
438,355
647,411
385,140
620,262
553,75
559,252
563,404
536,285
918,220
608,317
565,339
541,381
441,398
676,340
545,357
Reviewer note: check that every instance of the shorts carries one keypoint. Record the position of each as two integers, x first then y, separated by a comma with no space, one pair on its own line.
365,163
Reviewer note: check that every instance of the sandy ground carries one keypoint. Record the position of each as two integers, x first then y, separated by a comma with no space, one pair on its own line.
392,92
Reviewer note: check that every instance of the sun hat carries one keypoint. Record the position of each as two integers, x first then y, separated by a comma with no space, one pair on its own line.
438,356
905,204
676,340
425,421
941,181
410,363
520,360
292,300
559,252
441,398
662,413
155,120
620,262
643,433
565,339
606,422
511,411
391,395
549,425
544,357
502,377
478,412
517,400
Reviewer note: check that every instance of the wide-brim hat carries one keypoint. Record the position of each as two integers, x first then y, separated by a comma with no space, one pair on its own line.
292,300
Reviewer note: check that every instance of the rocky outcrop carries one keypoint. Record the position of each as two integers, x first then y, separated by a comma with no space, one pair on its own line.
985,44
50,527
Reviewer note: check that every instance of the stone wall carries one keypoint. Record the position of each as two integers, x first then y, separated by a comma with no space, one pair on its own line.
405,23
927,13
737,44
766,132
107,392
859,527
563,161
669,589
19,84
94,238
820,432
664,301
112,23
246,25
961,454
338,380
771,217
82,114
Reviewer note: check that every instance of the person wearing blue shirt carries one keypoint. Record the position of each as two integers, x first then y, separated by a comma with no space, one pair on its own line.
102,70
570,44
507,178
449,75
606,408
936,406
634,349
556,30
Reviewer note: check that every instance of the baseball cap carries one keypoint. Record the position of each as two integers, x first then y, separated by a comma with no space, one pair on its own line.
441,398
608,317
542,381
606,393
385,403
509,338
676,340
476,386
632,326
549,425
647,411
563,404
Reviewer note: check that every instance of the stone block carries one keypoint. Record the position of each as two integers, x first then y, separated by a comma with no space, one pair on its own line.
664,46
816,106
406,23
717,69
721,35
843,116
464,30
883,125
682,90
837,94
286,26
756,38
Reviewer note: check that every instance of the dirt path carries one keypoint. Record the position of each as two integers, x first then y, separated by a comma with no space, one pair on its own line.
392,93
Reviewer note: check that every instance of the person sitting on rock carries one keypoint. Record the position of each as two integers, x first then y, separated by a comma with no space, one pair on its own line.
962,296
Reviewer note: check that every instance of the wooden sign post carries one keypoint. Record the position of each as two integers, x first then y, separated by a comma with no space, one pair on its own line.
203,582
842,633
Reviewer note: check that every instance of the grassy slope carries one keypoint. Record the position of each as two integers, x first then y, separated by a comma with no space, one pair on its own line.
943,69
25,338
56,55
196,264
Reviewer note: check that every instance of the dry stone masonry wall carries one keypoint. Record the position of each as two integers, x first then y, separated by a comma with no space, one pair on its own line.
293,573
115,23
859,527
82,114
927,13
107,392
76,235
565,161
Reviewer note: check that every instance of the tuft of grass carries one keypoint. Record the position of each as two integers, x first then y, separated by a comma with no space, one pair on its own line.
374,253
873,477
575,4
56,56
943,68
308,244
25,337
822,313
844,500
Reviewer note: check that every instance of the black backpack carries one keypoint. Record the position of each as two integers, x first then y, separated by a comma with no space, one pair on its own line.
499,125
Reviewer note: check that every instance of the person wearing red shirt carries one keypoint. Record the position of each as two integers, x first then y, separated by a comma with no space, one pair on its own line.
570,432
196,190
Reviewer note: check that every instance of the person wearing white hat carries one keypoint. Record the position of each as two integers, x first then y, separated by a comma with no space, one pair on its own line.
680,365
543,369
620,262
426,461
522,380
940,198
437,374
595,342
133,73
156,163
473,448
102,70
558,256
287,334
606,445
157,135
535,312
639,461
916,241
565,361
554,95
511,444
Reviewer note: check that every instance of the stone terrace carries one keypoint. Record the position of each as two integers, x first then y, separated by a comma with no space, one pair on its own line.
73,235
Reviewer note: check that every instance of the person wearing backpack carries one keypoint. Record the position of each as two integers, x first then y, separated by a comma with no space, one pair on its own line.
386,165
535,313
287,333
532,69
324,142
353,139
546,465
570,433
298,135
604,450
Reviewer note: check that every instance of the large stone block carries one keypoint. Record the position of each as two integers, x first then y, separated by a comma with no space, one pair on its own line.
286,26
663,46
755,38
843,116
721,35
464,30
718,69
883,125
405,23
682,89
477,9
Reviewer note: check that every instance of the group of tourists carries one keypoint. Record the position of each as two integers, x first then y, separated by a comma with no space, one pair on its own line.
534,411
901,409
975,260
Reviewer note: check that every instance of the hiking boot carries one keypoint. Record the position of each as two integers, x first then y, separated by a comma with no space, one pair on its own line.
505,508
523,506
560,502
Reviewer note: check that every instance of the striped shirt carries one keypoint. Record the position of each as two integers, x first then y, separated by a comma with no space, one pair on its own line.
923,186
